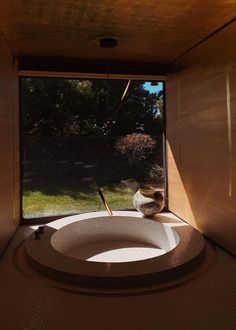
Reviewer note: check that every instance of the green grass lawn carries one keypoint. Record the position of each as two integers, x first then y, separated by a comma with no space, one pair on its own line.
39,202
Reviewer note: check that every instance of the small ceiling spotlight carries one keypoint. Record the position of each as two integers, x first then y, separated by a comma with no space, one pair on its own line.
108,42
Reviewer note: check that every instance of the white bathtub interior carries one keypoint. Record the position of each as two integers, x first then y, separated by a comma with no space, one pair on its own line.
115,239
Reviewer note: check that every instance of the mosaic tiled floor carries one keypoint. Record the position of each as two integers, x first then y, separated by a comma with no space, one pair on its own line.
204,300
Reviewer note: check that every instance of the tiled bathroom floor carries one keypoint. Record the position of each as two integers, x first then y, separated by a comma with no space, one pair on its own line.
206,300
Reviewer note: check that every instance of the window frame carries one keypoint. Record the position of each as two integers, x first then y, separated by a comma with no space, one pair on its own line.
76,75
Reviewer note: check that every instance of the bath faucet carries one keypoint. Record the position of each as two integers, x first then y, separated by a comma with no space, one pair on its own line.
41,229
37,234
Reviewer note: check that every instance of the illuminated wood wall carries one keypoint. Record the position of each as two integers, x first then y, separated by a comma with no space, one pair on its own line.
9,163
201,137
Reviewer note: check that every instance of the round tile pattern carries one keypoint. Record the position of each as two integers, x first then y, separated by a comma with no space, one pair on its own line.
67,254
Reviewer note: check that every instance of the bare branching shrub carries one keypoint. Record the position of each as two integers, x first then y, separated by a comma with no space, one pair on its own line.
135,147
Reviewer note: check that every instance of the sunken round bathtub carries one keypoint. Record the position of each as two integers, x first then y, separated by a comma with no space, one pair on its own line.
117,251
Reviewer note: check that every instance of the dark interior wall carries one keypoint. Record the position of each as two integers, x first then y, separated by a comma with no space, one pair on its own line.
9,161
201,137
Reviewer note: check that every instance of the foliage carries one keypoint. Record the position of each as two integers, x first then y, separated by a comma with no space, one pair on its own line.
70,129
157,174
135,147
71,107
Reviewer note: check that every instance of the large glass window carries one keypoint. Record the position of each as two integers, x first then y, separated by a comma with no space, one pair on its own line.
77,134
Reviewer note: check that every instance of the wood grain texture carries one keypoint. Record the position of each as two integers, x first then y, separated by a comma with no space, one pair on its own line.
201,134
9,154
147,31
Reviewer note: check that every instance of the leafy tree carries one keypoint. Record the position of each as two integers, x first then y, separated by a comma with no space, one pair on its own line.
68,107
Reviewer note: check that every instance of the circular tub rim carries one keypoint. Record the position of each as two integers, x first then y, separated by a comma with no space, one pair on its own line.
133,236
184,257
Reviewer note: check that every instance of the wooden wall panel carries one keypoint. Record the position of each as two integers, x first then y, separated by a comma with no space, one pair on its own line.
201,134
9,159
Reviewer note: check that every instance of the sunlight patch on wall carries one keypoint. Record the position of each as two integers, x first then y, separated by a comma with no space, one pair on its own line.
229,128
178,199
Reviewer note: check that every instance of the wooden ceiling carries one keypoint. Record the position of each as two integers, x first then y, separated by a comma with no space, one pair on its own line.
148,31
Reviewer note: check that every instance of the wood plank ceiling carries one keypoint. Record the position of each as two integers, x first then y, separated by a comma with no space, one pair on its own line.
147,31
